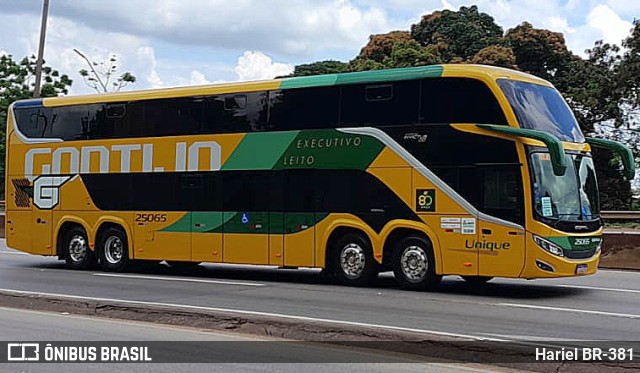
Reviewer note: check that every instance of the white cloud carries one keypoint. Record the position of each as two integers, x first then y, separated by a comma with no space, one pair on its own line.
198,78
292,28
609,23
254,65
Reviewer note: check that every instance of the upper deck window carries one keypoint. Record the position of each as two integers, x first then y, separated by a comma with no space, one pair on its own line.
541,108
459,100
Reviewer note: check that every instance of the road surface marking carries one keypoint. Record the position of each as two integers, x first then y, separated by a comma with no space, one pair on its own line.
599,288
573,310
180,279
259,313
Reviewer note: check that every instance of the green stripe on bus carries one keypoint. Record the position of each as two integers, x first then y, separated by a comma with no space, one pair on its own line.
363,77
576,243
246,222
330,149
259,151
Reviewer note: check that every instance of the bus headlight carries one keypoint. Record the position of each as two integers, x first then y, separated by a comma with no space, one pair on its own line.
548,246
599,246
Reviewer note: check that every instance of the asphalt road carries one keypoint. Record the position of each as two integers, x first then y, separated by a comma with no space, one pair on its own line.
41,326
605,306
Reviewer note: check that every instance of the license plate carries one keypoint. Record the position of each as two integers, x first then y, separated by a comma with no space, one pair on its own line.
582,268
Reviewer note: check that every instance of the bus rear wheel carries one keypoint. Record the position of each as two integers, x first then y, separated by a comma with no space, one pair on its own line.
414,264
77,253
113,250
353,262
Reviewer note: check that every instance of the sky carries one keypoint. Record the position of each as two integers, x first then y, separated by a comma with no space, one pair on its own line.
167,43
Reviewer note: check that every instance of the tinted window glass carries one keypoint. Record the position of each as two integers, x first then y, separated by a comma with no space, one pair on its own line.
542,108
376,105
235,113
304,108
32,122
73,122
172,117
459,100
253,191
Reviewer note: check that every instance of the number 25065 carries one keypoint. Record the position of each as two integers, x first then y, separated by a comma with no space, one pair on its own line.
151,218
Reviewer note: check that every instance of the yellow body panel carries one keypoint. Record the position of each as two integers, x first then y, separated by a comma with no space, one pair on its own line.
206,247
299,248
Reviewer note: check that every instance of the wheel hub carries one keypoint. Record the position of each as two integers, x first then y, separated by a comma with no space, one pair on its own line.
352,260
77,248
113,250
414,263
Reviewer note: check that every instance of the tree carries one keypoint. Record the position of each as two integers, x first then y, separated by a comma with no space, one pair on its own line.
103,76
496,55
460,35
539,52
320,68
381,46
17,82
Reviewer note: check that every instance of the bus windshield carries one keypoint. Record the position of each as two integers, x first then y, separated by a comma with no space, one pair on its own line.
573,196
541,108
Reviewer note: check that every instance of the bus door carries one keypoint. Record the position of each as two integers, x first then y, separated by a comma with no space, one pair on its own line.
166,235
501,249
247,202
300,205
207,221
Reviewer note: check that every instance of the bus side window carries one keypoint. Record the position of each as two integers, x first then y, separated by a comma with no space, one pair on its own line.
74,122
33,122
459,100
502,193
235,113
170,117
306,108
380,104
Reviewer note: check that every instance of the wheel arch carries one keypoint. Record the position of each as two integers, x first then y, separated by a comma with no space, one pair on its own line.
107,222
397,230
339,228
66,223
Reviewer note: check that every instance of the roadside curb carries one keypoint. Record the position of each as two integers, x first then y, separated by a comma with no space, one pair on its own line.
308,330
424,347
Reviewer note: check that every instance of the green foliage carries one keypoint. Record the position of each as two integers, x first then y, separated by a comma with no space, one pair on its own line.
495,55
539,52
17,82
320,68
381,46
464,32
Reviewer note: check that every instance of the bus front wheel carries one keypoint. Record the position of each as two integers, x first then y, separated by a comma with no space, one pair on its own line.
113,250
353,262
414,264
77,253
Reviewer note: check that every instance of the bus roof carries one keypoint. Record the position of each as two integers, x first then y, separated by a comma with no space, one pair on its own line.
487,73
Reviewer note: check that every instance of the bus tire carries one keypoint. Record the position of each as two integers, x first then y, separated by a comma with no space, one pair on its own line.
353,262
77,253
476,280
113,250
414,265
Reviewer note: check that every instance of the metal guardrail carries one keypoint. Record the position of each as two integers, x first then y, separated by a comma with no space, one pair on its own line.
620,215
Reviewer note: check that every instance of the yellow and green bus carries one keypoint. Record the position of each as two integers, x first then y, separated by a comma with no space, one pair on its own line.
462,170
